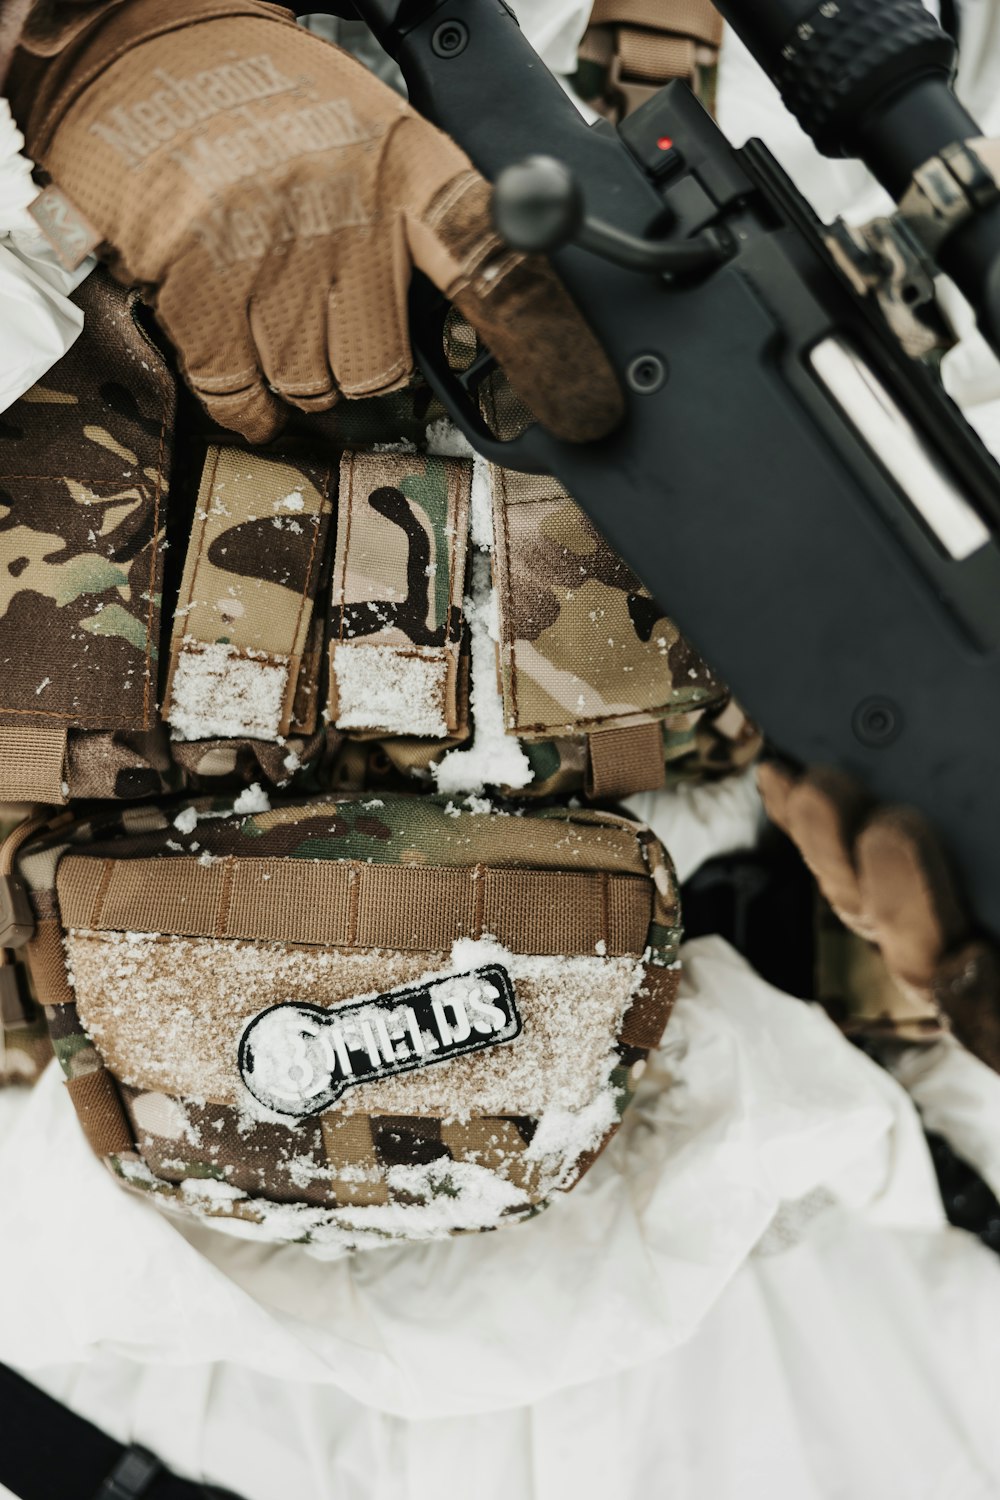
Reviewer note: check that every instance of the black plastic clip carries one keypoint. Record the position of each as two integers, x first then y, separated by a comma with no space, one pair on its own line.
131,1476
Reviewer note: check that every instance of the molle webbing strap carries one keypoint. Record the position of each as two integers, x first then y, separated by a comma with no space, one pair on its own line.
694,18
347,904
102,1117
32,764
624,760
239,664
636,46
398,588
46,960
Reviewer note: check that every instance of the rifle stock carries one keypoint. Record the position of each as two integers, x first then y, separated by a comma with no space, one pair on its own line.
800,494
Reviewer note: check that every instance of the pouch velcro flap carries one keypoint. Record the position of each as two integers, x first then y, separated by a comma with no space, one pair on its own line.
239,658
398,585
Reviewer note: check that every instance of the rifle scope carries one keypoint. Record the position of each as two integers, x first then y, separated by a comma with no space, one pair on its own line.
872,79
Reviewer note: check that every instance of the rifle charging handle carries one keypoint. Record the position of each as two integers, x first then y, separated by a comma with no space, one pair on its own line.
538,208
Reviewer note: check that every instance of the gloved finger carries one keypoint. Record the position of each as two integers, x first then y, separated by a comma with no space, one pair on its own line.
775,783
823,812
967,988
519,308
288,322
217,354
909,894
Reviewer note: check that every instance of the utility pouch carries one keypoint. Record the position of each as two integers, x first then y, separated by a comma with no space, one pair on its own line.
523,655
586,656
352,1020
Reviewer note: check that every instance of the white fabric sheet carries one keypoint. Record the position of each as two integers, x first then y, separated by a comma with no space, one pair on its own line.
752,1294
37,320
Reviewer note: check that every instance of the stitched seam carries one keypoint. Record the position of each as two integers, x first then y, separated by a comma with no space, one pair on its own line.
339,582
182,610
342,590
238,653
37,713
352,929
102,892
452,649
153,554
225,896
479,900
307,582
506,626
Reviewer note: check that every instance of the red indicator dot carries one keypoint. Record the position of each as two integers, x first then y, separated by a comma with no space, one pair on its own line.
665,143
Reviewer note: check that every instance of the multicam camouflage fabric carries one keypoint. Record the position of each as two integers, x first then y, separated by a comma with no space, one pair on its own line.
582,642
245,654
84,473
307,621
323,901
398,587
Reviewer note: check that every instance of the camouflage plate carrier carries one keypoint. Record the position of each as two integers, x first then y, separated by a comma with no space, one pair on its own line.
321,953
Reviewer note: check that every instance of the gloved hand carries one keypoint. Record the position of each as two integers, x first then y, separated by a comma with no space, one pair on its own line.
272,196
885,875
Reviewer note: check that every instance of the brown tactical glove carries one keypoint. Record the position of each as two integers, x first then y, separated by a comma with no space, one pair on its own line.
885,875
272,196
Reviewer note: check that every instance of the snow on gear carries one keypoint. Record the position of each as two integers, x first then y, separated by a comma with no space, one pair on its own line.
484,986
313,617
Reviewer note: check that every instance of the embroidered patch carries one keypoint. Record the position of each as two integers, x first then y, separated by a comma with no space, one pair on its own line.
299,1059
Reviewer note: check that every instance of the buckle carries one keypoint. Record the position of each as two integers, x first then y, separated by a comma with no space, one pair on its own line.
628,94
15,1008
131,1476
17,920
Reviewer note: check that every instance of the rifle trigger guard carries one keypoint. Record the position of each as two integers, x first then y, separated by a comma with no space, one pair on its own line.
457,389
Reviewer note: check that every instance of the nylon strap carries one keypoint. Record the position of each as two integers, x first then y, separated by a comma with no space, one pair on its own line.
32,764
624,760
46,960
633,47
102,1117
345,904
694,18
651,58
47,1450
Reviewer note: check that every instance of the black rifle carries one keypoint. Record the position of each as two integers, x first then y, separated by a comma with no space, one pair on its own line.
796,489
